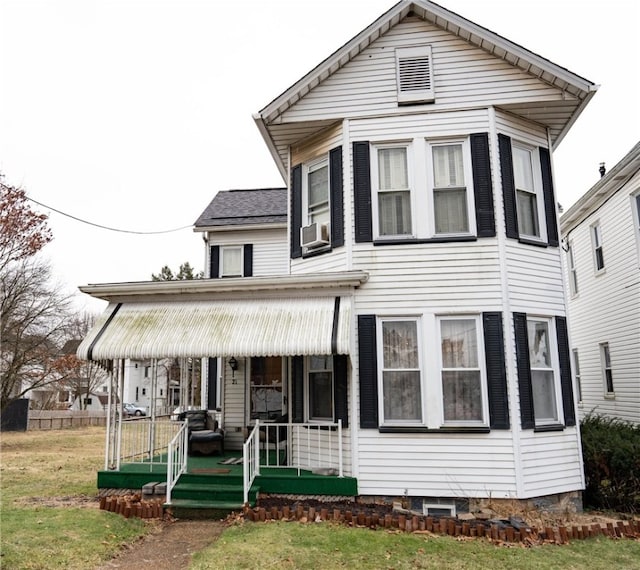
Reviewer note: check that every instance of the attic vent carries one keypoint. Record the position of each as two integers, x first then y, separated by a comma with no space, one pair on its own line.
414,73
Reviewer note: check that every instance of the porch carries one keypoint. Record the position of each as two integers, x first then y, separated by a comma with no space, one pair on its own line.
308,462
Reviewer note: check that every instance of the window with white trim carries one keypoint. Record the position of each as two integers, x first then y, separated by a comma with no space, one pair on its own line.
392,184
320,388
545,372
463,383
400,371
596,242
573,273
576,367
449,172
231,260
635,208
316,193
607,372
528,186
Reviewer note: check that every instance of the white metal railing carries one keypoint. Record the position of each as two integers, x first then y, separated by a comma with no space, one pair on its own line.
145,441
177,458
251,460
307,446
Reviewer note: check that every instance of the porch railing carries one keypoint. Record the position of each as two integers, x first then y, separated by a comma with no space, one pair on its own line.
146,441
305,446
177,458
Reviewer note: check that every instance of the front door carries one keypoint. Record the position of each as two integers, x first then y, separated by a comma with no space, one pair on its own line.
267,388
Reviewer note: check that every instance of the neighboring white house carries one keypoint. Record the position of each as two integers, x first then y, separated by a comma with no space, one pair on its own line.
416,292
601,237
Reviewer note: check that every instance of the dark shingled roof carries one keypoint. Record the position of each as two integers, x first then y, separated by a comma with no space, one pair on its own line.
245,207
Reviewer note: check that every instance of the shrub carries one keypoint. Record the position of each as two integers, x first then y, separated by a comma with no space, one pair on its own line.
611,453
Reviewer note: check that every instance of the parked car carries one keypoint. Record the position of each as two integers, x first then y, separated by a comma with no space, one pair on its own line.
134,410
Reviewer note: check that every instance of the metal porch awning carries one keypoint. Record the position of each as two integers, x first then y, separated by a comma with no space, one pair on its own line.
248,327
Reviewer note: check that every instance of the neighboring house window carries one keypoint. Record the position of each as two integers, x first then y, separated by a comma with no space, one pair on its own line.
449,175
414,74
528,198
147,371
596,240
320,388
605,362
543,361
88,401
576,365
573,273
462,382
400,371
231,261
392,186
137,393
144,391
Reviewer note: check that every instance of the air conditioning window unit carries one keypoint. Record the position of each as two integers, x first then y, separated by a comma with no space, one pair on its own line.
314,235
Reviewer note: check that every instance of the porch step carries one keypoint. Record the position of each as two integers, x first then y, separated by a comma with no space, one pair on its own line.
199,509
208,492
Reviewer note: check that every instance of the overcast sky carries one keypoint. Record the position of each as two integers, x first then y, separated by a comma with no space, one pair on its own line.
133,114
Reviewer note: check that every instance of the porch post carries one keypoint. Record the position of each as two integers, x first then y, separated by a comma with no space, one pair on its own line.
340,473
119,402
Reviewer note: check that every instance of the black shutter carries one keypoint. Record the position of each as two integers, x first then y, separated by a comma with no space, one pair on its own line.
248,260
565,372
362,192
527,417
340,383
336,197
297,389
549,197
214,261
368,369
508,186
212,383
496,370
296,211
482,185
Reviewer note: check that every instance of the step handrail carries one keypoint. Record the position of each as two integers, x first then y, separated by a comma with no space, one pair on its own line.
177,458
251,460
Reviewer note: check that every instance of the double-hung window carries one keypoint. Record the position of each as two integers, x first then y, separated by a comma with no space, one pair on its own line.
596,240
450,196
392,183
573,273
607,373
461,371
320,378
528,191
231,261
544,383
576,366
400,370
317,194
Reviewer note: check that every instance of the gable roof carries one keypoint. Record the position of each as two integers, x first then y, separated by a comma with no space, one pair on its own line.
559,116
249,207
602,190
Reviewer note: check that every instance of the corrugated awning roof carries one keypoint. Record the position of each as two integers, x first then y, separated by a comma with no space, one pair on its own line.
251,327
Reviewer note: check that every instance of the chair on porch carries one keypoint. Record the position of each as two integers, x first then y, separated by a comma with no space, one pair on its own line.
205,436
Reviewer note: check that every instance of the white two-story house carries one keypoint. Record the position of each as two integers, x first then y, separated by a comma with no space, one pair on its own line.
412,297
601,238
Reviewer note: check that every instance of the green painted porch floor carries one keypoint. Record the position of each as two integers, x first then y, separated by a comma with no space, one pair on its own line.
210,483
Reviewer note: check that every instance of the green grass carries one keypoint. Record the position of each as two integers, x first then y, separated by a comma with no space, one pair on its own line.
49,518
300,546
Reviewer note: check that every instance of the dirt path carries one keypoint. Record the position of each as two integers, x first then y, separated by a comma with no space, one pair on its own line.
170,548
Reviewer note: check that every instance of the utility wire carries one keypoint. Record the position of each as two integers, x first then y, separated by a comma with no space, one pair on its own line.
107,227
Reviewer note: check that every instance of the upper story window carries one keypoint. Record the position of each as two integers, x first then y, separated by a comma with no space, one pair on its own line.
231,260
635,207
528,192
317,193
393,191
573,273
596,241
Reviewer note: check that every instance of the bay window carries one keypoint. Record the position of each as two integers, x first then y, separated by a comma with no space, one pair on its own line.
450,202
400,368
527,192
543,373
393,191
462,383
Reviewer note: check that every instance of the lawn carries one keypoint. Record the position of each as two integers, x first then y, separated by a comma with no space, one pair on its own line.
50,520
50,517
